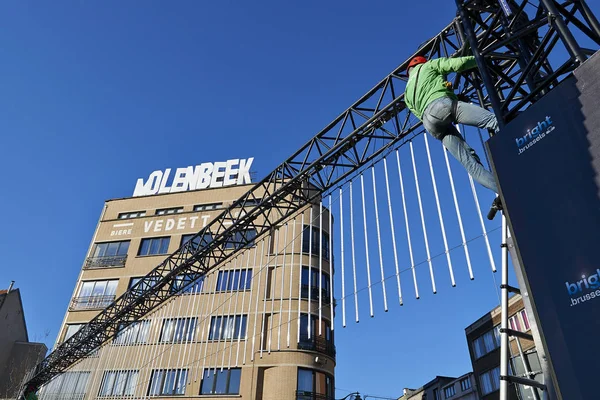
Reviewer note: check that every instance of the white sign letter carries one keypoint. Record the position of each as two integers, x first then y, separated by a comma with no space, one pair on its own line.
180,180
151,185
170,224
229,170
218,172
205,169
244,171
163,185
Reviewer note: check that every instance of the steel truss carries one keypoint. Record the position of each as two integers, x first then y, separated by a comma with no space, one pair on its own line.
374,125
377,123
524,51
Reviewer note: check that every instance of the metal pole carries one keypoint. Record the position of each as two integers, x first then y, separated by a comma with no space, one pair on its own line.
485,76
504,357
589,16
570,43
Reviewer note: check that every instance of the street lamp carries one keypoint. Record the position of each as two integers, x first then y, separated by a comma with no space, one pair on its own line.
355,394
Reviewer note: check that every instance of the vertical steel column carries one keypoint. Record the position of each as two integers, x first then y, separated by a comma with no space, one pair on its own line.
485,76
504,350
565,34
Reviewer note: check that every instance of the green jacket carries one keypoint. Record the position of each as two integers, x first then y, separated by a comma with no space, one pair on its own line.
432,76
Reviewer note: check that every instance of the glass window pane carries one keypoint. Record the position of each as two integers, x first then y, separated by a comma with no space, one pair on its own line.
181,380
99,288
86,289
208,381
112,249
234,380
221,385
111,288
123,248
100,250
154,246
164,247
144,247
525,320
169,385
305,380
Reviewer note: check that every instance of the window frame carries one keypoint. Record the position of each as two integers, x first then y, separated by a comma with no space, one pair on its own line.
180,330
449,391
467,386
163,379
169,211
219,322
228,282
131,214
150,240
117,384
214,382
207,207
307,244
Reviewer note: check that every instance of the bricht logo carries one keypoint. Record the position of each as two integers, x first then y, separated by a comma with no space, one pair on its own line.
535,134
584,290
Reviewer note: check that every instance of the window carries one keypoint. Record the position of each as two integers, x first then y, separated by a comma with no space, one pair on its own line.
227,327
525,319
135,333
238,279
178,330
465,384
436,394
312,244
314,384
165,382
132,214
147,283
165,211
68,385
322,343
449,392
226,381
519,321
240,238
198,241
316,289
71,330
111,249
185,281
151,246
110,254
487,342
95,294
490,381
118,383
206,207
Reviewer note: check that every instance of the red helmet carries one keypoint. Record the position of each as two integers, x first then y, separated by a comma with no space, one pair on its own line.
416,61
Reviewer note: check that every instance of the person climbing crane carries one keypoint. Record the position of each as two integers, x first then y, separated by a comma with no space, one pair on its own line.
430,98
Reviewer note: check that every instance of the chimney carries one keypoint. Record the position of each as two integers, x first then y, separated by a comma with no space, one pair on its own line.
10,286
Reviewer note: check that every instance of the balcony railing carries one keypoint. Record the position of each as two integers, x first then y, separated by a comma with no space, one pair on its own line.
91,302
303,395
314,293
316,343
105,262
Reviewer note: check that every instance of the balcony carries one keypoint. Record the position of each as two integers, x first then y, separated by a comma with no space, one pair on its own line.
303,395
314,293
105,262
91,302
316,343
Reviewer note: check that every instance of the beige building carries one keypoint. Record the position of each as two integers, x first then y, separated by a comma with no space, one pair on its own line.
483,337
245,330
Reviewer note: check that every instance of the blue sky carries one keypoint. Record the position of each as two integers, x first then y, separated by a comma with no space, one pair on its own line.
97,94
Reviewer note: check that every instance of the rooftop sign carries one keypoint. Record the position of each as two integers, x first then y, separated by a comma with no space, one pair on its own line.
205,175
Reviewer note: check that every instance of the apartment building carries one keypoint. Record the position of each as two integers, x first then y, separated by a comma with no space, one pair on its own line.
483,337
257,327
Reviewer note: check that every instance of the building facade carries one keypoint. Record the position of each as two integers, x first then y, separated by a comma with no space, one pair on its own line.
445,387
483,337
18,356
257,327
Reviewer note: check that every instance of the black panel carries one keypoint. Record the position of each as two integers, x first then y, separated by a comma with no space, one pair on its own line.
547,162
